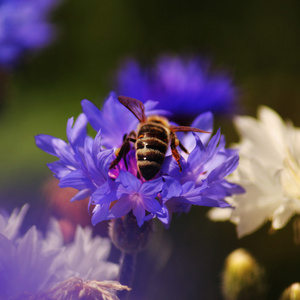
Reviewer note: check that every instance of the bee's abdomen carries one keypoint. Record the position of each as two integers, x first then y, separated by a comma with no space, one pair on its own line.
151,148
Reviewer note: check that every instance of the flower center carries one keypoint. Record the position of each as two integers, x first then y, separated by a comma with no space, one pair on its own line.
135,197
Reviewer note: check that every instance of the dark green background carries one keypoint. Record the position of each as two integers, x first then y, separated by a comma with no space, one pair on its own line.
256,41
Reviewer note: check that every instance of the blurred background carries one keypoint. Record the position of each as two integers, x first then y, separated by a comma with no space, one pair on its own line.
257,42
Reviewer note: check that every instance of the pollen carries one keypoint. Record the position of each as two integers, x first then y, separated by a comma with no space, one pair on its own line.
117,151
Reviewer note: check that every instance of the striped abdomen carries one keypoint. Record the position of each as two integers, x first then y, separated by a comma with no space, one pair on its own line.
151,147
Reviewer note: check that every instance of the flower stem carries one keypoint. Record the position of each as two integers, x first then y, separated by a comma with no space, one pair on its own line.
126,273
131,239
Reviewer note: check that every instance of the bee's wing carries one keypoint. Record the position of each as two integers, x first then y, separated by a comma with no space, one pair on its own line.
135,106
187,128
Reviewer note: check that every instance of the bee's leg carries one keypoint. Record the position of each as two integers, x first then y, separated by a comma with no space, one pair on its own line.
174,143
120,153
183,148
133,135
123,151
130,138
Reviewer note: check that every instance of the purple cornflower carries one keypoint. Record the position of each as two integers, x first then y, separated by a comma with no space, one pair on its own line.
23,26
84,164
185,86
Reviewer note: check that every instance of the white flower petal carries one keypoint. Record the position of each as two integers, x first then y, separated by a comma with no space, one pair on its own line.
220,214
281,216
269,170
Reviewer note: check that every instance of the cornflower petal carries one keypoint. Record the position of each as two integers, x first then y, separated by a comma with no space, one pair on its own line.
171,168
198,156
129,183
59,169
171,188
205,122
76,179
44,142
104,158
224,169
81,195
64,152
139,212
97,144
114,120
93,113
122,207
164,217
76,135
152,205
104,193
152,187
100,213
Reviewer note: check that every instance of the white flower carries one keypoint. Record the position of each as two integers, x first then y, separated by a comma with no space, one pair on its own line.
31,264
10,225
24,264
87,257
269,170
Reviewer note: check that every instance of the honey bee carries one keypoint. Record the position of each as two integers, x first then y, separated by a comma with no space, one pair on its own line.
154,134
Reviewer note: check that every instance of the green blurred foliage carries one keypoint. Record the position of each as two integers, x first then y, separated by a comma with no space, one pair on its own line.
256,41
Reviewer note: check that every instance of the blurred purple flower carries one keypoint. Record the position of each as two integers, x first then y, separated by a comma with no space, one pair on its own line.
84,164
185,86
24,26
31,263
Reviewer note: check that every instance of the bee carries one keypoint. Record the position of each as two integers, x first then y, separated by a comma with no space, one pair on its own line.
154,135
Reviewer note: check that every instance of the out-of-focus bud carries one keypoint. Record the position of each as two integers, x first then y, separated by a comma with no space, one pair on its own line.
292,292
127,236
76,288
243,278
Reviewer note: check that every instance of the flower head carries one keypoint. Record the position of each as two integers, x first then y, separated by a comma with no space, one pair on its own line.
269,170
23,27
84,164
243,277
176,80
30,263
